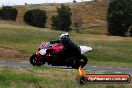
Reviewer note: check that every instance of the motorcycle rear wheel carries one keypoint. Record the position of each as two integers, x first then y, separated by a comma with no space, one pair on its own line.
79,61
83,60
34,60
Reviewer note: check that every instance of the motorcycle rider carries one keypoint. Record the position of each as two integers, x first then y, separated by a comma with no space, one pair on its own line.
69,47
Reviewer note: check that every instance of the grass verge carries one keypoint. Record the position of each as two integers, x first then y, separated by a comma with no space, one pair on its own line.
42,77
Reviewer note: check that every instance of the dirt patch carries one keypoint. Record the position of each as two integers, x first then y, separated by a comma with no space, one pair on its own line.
8,53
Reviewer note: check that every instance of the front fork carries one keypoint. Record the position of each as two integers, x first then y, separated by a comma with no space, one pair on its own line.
39,56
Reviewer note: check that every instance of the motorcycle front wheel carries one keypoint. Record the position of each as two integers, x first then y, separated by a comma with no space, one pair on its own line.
34,60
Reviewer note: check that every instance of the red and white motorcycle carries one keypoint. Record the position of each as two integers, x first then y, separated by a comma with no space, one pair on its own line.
43,55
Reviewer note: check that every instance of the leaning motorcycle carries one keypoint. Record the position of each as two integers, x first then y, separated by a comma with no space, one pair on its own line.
43,55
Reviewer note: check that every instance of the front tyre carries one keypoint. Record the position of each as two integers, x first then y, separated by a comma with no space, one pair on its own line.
34,60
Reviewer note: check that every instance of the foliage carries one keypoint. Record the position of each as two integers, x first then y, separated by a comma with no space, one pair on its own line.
8,13
77,21
62,21
119,17
35,17
131,32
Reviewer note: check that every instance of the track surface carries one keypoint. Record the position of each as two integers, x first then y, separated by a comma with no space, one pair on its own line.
93,68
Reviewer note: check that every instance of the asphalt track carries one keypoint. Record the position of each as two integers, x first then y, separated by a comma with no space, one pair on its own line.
93,68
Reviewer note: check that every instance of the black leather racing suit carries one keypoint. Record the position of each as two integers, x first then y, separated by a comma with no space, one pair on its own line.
70,48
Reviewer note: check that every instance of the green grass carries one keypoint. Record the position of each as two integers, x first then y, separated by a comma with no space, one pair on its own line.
42,77
26,39
113,49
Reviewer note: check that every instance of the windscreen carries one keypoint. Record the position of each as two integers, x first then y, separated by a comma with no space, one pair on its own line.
44,45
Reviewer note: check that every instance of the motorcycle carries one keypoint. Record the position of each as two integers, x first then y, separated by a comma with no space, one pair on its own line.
44,55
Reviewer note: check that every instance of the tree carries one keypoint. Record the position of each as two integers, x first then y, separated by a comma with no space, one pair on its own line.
77,21
95,0
55,22
119,17
8,13
130,31
62,20
35,17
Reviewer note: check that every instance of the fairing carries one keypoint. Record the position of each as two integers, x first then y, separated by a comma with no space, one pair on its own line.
85,49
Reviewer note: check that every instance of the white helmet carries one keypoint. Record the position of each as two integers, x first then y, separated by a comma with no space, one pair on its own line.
64,36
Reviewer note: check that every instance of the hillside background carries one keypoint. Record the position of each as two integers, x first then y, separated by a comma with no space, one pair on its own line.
93,14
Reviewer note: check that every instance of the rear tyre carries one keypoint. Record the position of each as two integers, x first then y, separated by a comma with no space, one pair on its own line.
75,63
34,60
83,60
79,61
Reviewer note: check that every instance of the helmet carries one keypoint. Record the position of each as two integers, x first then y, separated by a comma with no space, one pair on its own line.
64,36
